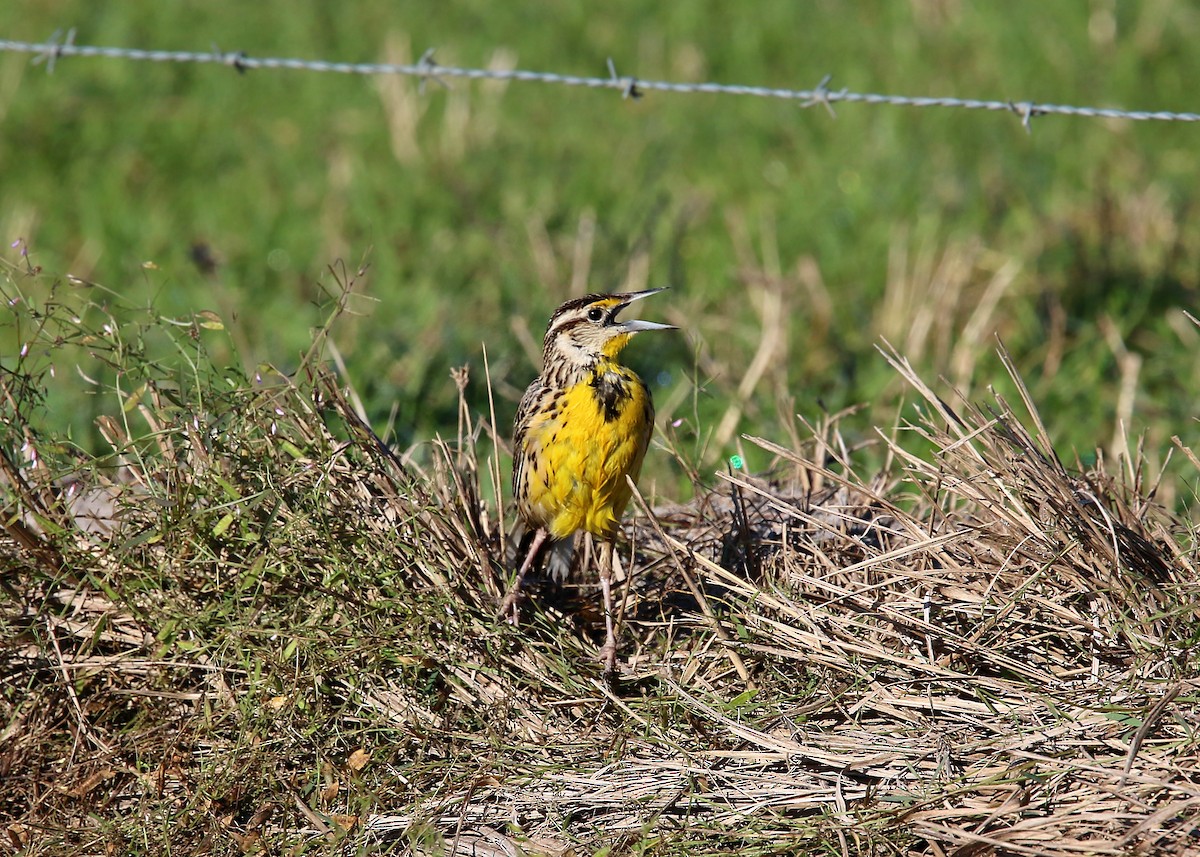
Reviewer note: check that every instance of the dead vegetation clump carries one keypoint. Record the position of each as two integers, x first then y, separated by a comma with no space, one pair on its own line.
276,633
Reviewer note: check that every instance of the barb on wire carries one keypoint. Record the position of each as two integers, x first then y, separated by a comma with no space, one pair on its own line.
53,49
233,59
236,61
428,71
1026,111
630,87
821,95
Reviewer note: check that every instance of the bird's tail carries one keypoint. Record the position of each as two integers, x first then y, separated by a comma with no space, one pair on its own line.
557,565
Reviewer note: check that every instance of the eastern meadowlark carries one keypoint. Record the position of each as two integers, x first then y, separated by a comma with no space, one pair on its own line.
581,432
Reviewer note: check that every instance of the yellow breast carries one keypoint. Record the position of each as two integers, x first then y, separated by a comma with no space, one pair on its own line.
580,449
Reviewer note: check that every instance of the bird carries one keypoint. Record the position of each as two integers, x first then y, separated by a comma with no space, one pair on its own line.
579,437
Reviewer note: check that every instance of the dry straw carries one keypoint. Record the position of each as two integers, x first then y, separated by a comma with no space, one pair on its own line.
258,624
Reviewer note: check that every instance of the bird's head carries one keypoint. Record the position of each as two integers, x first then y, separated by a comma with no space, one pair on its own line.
585,330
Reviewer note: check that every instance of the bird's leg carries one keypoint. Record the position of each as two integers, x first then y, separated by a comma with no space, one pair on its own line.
509,607
609,652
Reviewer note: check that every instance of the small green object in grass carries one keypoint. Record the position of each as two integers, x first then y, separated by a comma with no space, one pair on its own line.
736,462
222,525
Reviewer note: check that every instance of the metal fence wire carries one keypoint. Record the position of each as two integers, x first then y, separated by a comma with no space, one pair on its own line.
59,46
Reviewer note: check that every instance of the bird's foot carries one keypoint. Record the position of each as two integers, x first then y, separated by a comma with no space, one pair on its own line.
510,608
608,656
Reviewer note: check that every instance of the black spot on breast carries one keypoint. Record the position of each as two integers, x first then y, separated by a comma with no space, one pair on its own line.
611,391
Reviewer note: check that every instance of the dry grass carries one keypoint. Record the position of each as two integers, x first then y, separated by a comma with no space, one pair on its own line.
255,628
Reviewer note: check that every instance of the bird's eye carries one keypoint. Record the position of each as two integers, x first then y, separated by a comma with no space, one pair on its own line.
595,314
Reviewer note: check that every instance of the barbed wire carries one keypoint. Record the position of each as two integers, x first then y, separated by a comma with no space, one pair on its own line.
425,68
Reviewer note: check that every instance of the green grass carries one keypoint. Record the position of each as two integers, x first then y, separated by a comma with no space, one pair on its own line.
293,630
468,202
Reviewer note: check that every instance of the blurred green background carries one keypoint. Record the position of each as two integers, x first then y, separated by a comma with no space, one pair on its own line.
793,241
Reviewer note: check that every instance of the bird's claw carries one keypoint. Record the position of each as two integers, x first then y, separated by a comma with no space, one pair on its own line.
510,609
608,655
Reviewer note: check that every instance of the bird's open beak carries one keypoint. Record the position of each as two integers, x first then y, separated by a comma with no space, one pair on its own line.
636,325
